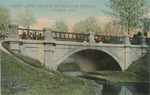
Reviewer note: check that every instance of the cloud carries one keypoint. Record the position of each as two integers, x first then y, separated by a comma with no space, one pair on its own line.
104,19
43,22
70,23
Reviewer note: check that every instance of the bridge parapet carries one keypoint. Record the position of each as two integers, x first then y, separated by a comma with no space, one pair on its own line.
32,34
49,35
109,39
13,31
13,37
67,36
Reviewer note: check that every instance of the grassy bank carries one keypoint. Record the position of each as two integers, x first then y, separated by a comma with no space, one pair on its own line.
68,67
141,68
138,71
20,78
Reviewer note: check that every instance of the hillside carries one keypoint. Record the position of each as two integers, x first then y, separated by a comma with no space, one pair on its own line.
141,67
19,78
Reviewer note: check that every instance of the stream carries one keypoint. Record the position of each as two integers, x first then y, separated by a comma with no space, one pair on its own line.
119,88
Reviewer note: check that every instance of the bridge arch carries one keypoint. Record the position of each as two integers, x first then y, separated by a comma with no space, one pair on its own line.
74,53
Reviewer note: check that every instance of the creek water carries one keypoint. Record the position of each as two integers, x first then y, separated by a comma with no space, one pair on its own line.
119,88
126,89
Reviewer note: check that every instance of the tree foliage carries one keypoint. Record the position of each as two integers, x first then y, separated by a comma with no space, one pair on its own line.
26,19
146,24
109,29
129,12
87,25
4,20
112,28
60,26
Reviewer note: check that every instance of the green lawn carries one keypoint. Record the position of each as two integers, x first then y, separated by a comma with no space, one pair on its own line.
20,78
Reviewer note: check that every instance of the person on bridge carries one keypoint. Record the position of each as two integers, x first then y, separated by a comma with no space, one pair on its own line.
24,35
31,36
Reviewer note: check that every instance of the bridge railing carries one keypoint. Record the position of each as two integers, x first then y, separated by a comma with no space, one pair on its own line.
109,39
148,41
119,39
66,36
135,41
33,34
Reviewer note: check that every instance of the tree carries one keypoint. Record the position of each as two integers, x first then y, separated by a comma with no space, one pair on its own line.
90,24
60,26
112,28
146,24
109,29
128,11
26,19
4,20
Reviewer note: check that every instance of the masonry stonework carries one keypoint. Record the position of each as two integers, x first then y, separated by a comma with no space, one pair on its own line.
52,53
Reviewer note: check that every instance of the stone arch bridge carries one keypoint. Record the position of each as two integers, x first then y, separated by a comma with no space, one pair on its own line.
55,47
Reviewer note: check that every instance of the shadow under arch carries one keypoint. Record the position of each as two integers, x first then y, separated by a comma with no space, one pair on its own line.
94,59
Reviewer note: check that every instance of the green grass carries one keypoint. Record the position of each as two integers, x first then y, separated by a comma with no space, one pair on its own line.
138,71
68,67
114,76
18,78
31,61
141,67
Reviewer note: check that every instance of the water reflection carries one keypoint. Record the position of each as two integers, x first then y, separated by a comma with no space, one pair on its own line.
119,89
73,73
126,89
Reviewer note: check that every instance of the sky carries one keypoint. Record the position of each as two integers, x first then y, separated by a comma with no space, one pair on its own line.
46,7
48,11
